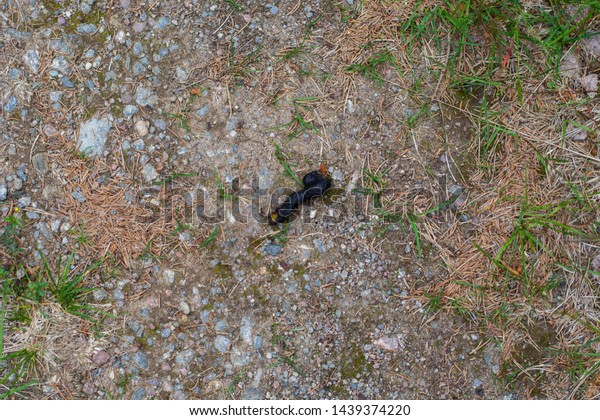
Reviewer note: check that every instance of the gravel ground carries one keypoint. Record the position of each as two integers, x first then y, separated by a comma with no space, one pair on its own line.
327,308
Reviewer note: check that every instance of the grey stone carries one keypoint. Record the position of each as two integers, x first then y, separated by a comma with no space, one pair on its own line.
169,276
145,97
221,325
291,287
17,184
590,84
239,357
86,28
181,76
77,195
110,75
150,173
592,44
222,343
3,192
93,135
570,65
60,45
338,175
252,394
67,83
202,111
320,245
179,395
11,104
258,342
138,67
141,359
139,393
24,201
231,124
118,294
14,74
455,190
32,215
273,249
246,330
387,343
136,327
184,307
61,64
265,180
138,48
185,357
21,172
130,110
99,295
162,23
89,388
138,26
32,60
39,162
477,383
165,332
101,357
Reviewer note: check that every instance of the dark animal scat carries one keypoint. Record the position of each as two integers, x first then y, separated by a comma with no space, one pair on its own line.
315,185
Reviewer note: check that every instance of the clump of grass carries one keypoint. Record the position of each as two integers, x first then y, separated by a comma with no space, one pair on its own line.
282,235
234,5
80,234
518,257
147,253
300,123
239,67
29,298
370,66
280,340
298,50
67,286
9,234
181,117
180,227
22,363
237,379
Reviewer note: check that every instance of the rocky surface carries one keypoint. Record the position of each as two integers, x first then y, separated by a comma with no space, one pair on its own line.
326,307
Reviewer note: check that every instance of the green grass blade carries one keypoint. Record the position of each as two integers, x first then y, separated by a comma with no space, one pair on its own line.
415,229
283,160
211,237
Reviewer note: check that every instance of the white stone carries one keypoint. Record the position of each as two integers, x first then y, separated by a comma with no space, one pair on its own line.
141,127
